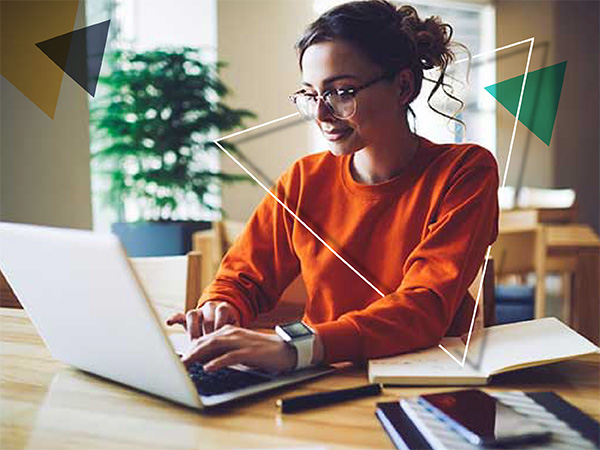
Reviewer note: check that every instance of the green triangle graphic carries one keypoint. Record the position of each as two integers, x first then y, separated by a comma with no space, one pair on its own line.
540,98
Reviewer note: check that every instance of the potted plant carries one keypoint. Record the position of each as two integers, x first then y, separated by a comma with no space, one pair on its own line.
152,126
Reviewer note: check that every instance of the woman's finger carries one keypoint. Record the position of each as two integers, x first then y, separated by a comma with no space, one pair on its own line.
176,319
208,318
209,347
223,316
194,324
260,350
228,359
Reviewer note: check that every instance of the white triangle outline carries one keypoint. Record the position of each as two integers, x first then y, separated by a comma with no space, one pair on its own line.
268,191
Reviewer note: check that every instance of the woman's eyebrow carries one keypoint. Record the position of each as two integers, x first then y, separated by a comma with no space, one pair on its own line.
331,80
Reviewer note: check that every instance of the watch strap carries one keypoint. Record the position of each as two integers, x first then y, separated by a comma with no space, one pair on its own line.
304,350
303,345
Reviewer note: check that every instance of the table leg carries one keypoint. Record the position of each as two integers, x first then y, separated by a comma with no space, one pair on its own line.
540,274
567,296
585,313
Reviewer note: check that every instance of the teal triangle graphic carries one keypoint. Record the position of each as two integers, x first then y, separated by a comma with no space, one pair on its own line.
79,53
540,98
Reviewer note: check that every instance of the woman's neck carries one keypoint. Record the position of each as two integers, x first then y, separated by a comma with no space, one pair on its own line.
376,164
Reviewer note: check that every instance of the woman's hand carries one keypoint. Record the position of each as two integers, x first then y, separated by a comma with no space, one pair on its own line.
231,345
209,317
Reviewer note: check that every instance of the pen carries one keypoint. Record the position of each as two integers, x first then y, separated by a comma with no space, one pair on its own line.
301,402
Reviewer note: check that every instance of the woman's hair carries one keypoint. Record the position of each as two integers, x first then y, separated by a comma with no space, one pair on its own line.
392,37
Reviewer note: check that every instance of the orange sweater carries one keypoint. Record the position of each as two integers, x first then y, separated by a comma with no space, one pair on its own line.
419,237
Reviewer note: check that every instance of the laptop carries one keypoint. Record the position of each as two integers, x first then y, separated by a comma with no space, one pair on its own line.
83,297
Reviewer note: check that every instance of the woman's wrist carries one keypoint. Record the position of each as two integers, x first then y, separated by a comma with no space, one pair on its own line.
289,357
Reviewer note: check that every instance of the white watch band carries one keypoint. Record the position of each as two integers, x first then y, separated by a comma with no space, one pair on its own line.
303,344
304,349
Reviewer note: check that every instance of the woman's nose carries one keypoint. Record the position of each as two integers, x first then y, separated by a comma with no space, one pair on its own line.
323,112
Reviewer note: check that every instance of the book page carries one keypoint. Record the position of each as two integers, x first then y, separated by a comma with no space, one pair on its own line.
491,351
508,347
429,366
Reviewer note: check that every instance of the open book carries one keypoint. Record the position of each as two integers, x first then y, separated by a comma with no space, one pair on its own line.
494,350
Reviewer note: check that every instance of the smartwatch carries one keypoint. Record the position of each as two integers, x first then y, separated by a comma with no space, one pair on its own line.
301,337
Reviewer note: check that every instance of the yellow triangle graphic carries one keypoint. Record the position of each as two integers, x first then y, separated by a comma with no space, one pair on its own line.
25,66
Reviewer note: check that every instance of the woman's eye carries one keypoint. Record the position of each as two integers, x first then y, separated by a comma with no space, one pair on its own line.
344,90
343,93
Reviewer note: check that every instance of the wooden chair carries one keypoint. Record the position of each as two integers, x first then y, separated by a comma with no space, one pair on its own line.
214,243
572,250
173,283
291,304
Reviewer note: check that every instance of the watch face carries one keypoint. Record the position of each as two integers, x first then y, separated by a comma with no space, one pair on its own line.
296,330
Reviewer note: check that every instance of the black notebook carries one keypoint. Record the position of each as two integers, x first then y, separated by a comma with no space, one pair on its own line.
405,435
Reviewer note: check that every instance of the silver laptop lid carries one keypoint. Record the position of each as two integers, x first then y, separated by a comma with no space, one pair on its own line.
82,296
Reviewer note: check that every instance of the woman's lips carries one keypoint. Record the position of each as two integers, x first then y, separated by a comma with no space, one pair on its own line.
336,135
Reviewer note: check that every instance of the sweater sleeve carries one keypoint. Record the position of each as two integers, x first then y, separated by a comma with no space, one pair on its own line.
261,263
436,276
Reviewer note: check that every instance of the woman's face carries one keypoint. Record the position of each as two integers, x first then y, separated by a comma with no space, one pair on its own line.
379,107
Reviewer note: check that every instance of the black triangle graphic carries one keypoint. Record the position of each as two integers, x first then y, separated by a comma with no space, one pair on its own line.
79,53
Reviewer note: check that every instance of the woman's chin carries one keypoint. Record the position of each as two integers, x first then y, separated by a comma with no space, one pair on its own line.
343,147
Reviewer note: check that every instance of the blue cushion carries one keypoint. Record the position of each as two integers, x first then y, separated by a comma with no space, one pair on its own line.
514,303
514,293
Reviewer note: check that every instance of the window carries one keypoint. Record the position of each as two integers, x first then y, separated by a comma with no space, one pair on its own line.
143,25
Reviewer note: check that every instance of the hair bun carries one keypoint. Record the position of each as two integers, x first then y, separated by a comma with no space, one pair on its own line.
431,37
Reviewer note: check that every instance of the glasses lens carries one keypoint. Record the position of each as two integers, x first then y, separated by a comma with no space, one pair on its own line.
342,104
306,105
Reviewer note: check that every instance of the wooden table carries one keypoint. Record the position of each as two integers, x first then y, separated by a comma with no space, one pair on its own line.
47,405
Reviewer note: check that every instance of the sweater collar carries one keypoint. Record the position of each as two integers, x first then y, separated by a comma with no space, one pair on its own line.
394,185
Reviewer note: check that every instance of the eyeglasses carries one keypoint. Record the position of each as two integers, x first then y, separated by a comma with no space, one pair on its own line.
340,102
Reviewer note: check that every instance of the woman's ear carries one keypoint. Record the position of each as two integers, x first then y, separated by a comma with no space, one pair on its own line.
404,83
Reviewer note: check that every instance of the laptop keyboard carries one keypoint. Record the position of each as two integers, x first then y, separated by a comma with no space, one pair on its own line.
223,380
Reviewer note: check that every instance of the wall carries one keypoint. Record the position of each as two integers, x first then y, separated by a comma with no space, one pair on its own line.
577,139
256,39
513,24
563,30
45,169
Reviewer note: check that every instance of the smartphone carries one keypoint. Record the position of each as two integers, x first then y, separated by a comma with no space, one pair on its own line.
483,420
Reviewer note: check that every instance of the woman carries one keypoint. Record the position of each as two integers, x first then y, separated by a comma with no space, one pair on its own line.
413,217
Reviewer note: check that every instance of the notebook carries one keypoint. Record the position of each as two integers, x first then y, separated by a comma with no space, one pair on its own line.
571,428
495,350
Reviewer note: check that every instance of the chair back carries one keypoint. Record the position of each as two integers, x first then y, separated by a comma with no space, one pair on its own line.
172,283
213,244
